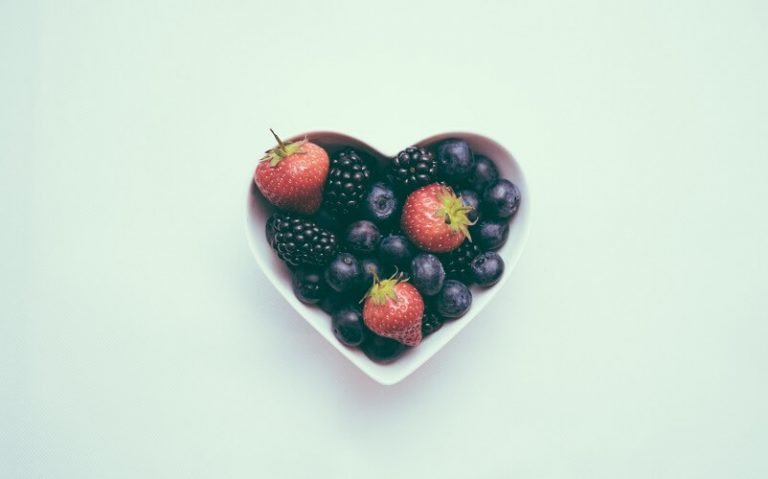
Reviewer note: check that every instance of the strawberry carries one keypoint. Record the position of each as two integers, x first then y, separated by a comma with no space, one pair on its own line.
393,308
435,219
291,176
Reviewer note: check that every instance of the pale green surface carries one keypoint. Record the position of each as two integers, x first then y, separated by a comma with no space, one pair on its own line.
137,338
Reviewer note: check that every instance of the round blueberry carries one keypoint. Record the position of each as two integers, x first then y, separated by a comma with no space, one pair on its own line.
486,269
308,285
454,158
347,323
454,300
471,198
371,268
332,301
483,175
362,237
380,349
343,273
381,205
501,199
427,274
395,250
490,235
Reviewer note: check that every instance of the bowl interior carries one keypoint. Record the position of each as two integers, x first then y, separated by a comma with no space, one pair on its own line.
258,210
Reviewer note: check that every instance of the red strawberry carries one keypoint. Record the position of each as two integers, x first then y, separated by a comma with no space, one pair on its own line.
292,175
393,309
435,219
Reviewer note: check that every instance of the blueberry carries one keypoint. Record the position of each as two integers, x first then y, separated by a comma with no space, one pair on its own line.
381,205
486,269
501,199
471,198
362,237
348,327
483,175
332,301
427,274
454,300
371,267
454,159
308,285
395,250
380,349
490,235
343,273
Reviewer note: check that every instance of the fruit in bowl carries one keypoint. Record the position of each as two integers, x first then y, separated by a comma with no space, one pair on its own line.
391,248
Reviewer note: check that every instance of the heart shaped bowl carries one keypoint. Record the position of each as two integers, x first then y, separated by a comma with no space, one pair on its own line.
258,210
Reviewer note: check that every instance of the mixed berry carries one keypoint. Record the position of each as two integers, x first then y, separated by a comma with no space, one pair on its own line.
389,253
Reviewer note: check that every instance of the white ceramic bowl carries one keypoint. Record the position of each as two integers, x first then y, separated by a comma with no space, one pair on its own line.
258,210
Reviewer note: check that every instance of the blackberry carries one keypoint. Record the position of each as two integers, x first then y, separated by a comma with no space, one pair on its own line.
430,323
414,167
347,181
299,241
456,262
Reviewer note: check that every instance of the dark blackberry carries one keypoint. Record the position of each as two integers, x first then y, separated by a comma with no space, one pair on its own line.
299,241
414,167
347,181
430,323
456,263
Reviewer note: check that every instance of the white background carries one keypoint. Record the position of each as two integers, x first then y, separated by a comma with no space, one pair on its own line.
139,339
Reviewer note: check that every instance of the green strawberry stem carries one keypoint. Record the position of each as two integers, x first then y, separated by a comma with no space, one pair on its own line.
383,290
455,212
283,150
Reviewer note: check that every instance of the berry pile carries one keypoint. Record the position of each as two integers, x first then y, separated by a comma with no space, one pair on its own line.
389,253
